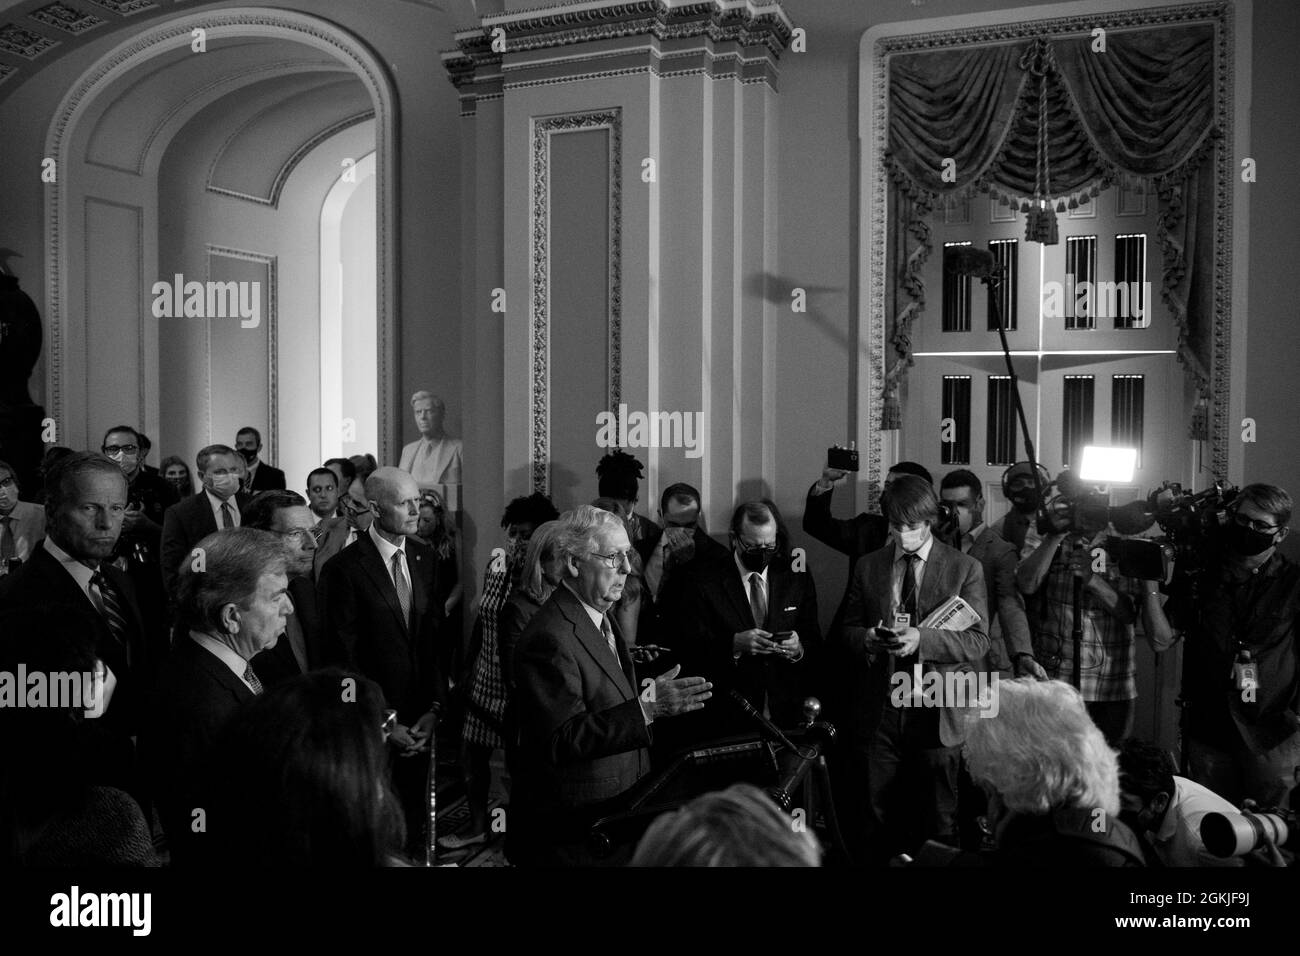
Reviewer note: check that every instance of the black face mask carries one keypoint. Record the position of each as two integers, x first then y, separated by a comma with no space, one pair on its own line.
249,454
755,561
1248,542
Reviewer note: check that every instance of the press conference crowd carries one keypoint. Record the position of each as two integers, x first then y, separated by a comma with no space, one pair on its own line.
275,669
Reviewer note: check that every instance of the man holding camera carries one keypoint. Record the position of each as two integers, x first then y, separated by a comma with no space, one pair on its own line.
1107,661
1241,676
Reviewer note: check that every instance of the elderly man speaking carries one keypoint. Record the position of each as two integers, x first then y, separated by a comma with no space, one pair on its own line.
583,733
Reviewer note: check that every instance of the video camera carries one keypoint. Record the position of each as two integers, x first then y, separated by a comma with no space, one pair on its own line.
1193,525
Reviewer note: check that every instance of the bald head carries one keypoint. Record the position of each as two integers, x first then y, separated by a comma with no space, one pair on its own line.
395,501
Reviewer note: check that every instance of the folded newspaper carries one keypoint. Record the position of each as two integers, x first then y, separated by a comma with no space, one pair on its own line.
953,614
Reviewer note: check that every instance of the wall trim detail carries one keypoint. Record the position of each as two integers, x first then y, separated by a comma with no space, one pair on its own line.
272,338
543,128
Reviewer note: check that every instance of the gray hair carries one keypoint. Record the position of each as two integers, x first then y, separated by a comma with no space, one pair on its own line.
225,568
579,528
424,395
1042,751
205,455
739,826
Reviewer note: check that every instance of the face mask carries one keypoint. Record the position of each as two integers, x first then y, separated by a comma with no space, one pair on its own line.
756,561
912,541
223,486
124,461
1248,542
249,454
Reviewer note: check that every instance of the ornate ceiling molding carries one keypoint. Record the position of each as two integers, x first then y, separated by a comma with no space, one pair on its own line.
722,39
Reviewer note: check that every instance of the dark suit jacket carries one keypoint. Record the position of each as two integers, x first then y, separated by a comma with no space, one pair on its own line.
196,695
1009,630
856,536
267,478
582,737
41,580
361,613
947,572
658,617
277,663
717,608
333,536
185,525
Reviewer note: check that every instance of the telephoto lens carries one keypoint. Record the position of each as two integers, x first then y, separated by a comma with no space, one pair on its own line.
1236,834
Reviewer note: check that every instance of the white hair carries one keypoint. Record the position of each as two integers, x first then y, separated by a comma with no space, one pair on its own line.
1043,752
578,529
424,395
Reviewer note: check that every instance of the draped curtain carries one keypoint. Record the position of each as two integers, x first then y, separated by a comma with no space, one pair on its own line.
1039,124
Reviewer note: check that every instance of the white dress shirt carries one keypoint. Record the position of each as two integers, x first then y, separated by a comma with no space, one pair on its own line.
1178,841
80,573
386,551
215,503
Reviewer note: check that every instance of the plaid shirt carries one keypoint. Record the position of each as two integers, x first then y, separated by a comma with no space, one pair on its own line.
1108,669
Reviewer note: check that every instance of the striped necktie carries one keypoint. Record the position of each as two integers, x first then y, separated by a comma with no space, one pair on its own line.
609,637
403,589
8,547
227,519
110,606
757,599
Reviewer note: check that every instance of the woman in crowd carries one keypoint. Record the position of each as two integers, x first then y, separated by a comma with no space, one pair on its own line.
437,530
177,474
301,779
485,707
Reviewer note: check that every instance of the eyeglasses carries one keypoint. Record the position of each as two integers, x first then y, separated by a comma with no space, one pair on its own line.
758,548
300,534
388,724
614,560
1243,522
124,449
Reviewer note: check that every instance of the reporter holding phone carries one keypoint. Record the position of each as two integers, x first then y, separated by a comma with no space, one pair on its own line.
904,759
751,624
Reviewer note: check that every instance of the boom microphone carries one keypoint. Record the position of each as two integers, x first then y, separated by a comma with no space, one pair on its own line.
968,260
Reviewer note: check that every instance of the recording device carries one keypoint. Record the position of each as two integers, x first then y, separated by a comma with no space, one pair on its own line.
771,730
1072,507
844,459
947,526
1236,834
968,260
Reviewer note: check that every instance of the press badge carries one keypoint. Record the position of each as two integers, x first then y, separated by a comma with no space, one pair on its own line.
1245,674
902,619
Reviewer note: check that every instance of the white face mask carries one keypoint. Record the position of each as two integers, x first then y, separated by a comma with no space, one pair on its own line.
223,486
912,541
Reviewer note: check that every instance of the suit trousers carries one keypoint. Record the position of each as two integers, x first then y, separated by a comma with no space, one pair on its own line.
912,783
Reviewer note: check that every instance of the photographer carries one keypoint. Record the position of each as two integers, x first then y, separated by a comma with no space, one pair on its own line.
1241,682
1107,672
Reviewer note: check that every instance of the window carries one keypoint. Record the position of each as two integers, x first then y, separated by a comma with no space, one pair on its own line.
1126,405
1080,280
1004,261
956,295
956,406
1001,421
1077,418
1128,298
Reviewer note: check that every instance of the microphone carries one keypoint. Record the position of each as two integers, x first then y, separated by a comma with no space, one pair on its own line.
968,260
770,728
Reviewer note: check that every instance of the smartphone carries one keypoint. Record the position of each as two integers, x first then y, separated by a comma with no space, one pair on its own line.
887,637
844,459
781,636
